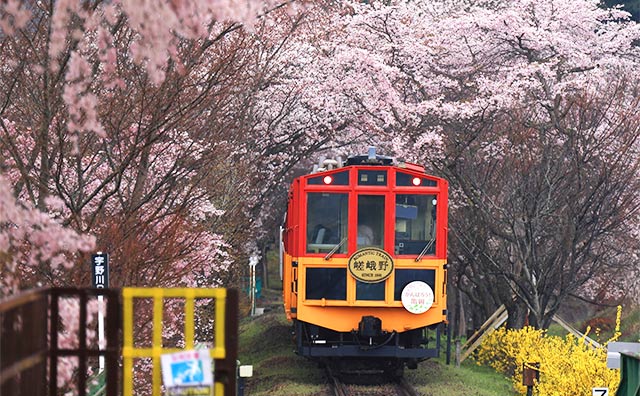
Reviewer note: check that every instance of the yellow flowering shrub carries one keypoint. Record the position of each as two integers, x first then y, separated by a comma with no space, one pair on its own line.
568,366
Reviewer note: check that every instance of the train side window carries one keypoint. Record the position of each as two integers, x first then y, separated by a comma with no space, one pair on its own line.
405,179
334,179
415,223
327,217
370,221
328,283
406,276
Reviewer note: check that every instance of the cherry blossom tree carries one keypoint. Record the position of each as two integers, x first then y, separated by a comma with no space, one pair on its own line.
179,121
29,237
632,6
545,219
121,129
131,115
528,107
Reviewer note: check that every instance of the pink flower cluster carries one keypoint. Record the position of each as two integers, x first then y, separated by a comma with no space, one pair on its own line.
31,237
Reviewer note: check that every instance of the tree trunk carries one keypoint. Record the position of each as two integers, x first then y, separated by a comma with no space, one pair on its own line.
518,317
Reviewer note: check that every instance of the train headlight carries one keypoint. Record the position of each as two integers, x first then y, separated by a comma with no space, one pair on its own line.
327,180
416,181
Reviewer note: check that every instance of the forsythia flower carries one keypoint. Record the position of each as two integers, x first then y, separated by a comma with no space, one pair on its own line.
568,366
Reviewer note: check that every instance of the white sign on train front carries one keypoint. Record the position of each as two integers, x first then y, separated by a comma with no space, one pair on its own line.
417,297
600,392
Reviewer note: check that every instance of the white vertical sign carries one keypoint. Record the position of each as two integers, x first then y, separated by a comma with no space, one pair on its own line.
100,270
100,280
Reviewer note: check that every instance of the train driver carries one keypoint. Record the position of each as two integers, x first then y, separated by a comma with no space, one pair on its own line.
365,236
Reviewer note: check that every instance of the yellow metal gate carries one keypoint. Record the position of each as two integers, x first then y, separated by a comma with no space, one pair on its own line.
225,329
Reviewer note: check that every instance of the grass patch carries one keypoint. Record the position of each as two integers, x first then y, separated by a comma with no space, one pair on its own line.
434,377
556,330
266,342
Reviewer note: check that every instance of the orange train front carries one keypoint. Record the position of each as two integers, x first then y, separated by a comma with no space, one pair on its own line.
364,263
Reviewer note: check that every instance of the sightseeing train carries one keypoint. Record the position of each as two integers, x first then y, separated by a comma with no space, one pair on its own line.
364,263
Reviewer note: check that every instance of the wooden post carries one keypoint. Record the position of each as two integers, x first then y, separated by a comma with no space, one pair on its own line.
530,374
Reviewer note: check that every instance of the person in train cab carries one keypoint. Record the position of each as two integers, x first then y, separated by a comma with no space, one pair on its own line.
366,236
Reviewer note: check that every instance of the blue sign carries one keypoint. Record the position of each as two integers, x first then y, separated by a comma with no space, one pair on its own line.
187,372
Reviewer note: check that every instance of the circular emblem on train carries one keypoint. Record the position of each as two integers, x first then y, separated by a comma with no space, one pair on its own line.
417,297
370,265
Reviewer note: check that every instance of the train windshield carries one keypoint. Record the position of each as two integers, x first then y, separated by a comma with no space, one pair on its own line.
327,216
415,224
370,221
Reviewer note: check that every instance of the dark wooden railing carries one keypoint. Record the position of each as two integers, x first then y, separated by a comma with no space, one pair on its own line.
30,350
23,344
84,351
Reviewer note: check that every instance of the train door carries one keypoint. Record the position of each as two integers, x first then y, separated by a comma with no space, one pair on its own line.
370,233
289,254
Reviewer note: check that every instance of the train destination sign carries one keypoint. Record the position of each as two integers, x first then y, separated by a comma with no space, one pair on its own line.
371,265
417,297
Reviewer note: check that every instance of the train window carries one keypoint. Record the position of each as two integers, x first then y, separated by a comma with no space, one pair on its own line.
415,224
334,179
405,179
329,283
370,221
406,276
370,291
372,177
327,217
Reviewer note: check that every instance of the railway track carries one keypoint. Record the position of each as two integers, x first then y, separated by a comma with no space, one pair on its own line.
378,387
